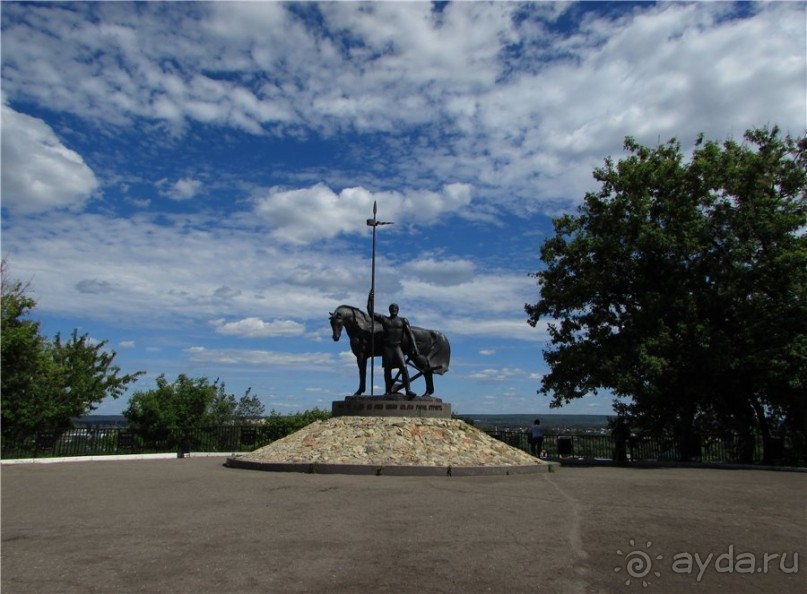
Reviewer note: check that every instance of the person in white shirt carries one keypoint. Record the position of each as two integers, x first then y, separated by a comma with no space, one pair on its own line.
536,436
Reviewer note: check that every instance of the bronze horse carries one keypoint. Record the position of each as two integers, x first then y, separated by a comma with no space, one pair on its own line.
435,351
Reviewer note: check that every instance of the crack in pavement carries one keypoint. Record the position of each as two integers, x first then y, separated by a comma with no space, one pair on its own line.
574,533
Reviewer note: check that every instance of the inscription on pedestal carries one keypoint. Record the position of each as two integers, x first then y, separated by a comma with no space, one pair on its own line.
366,406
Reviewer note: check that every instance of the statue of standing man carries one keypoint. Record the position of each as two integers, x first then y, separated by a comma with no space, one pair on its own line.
396,330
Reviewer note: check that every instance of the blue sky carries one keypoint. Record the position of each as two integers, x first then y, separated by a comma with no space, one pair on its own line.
191,181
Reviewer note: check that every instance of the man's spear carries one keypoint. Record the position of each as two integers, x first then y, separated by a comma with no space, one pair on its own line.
373,223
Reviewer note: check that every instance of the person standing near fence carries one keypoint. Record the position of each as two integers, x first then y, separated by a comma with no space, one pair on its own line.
536,438
621,435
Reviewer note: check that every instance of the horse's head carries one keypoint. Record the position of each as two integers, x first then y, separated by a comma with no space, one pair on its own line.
337,323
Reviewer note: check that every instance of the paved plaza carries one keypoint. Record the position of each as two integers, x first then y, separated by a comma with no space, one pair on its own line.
194,525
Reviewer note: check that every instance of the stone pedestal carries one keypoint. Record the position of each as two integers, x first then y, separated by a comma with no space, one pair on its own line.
391,406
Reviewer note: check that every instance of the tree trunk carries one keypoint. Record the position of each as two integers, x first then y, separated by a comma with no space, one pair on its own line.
765,430
745,438
686,434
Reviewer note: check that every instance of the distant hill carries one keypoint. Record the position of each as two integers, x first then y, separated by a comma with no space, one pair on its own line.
101,421
548,421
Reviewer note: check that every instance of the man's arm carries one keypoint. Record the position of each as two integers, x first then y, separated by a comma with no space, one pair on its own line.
371,308
411,335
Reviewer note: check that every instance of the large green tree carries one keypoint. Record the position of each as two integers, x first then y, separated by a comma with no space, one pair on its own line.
45,382
681,286
24,363
178,410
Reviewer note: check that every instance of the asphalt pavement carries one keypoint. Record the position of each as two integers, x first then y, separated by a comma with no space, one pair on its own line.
194,525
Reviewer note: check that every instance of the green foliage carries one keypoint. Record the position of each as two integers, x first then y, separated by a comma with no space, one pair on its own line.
45,383
180,406
175,411
248,408
83,374
23,362
466,420
682,286
226,410
277,426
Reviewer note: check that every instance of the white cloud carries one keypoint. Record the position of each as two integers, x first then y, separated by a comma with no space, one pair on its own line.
504,328
225,293
94,286
184,189
347,359
179,277
166,274
534,121
496,375
493,293
257,328
39,173
457,122
303,215
448,272
256,357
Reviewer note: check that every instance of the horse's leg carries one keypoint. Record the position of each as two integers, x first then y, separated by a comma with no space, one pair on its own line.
389,383
429,377
362,363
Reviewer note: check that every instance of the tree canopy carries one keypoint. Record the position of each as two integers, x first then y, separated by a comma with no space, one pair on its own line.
176,410
681,286
46,382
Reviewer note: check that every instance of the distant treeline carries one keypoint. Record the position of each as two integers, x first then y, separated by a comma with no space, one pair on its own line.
548,421
100,421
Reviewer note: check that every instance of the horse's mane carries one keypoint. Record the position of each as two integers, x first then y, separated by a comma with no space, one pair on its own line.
360,316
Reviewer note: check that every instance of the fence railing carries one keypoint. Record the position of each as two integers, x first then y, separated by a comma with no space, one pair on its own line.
227,439
658,449
101,442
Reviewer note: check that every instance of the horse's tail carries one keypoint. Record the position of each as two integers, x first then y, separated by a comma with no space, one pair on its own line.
439,354
443,353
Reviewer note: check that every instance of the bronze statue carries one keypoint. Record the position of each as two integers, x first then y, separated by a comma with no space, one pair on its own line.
427,350
396,331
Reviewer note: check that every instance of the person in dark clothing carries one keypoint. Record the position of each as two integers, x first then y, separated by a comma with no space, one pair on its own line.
536,438
621,434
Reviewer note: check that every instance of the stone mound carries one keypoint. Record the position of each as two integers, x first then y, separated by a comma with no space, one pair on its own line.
388,442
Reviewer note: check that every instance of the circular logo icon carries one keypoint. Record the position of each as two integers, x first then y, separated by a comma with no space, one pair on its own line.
638,564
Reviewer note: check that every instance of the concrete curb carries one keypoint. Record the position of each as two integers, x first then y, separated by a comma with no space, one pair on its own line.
379,470
116,457
672,464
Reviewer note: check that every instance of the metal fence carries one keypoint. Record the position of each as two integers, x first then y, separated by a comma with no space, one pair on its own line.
112,441
228,439
710,450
